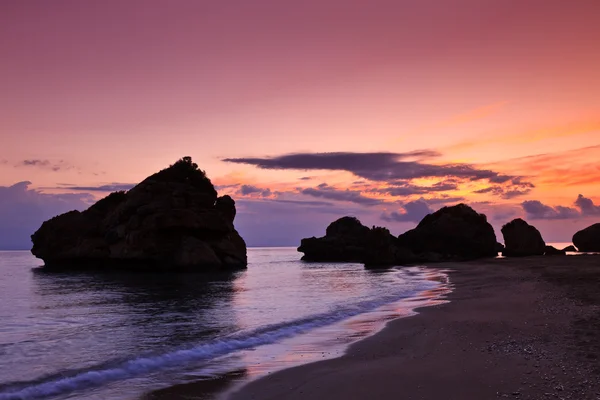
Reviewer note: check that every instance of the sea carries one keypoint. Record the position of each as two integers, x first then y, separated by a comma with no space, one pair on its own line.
114,335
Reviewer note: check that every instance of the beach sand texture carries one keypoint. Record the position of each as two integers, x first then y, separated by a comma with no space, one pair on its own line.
525,328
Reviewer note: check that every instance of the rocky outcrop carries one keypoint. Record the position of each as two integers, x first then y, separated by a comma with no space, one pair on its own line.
451,233
553,251
571,249
348,240
344,241
522,239
171,220
588,239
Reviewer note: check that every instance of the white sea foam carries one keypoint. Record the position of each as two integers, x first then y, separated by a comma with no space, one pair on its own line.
203,352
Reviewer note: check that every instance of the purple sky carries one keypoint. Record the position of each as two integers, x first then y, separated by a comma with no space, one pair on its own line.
494,103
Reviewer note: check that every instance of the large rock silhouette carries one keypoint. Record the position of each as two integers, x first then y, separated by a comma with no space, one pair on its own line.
348,240
344,241
451,233
172,220
588,239
522,239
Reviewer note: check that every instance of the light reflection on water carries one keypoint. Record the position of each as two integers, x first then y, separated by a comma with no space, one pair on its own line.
62,325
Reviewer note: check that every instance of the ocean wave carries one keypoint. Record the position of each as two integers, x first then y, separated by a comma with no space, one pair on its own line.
123,370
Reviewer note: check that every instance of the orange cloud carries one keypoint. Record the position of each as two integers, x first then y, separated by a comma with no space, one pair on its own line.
561,173
532,135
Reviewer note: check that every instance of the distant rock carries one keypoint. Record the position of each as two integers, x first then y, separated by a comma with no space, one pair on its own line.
451,233
522,239
588,239
348,240
499,247
553,251
571,249
455,233
344,241
172,220
347,227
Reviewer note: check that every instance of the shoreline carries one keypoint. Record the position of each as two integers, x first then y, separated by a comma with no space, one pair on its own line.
513,328
324,343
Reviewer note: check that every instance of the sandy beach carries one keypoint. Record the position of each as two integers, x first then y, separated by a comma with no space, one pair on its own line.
522,328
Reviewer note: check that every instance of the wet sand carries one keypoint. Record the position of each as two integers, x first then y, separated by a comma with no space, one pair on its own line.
524,328
200,390
318,344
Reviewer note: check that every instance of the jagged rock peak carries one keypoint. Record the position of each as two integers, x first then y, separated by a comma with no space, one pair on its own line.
171,220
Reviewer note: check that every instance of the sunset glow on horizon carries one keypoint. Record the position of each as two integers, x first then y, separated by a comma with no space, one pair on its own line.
306,111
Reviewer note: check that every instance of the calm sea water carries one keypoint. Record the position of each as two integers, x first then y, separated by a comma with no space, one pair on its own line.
119,336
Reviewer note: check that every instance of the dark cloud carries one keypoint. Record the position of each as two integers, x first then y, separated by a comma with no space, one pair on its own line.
333,161
305,178
45,164
22,211
519,181
407,189
299,202
442,187
517,187
327,192
512,193
490,189
231,186
36,163
401,191
537,210
414,211
246,190
501,178
397,169
587,206
111,187
584,207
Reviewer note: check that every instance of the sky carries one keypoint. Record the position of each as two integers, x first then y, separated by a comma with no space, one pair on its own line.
305,111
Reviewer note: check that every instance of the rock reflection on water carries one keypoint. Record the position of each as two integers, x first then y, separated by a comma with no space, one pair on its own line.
120,335
128,314
61,324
